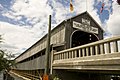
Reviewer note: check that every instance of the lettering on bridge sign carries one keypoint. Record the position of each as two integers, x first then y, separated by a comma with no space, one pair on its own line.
85,27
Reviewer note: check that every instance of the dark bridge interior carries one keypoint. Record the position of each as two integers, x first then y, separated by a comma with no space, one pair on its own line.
81,38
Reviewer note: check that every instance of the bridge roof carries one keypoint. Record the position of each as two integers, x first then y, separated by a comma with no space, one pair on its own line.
86,12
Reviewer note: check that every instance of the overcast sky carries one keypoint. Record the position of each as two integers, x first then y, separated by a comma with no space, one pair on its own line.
23,22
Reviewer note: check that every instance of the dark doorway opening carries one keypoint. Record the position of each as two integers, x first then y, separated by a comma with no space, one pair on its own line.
80,38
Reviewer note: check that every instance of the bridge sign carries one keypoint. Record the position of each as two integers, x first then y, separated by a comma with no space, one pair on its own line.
85,27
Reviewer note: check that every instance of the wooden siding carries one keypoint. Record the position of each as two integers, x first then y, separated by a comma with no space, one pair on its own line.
57,37
37,63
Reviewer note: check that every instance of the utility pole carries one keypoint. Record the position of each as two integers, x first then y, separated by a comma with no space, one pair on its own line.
46,72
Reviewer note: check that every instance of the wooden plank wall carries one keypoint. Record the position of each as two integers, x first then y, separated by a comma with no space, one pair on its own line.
37,63
57,37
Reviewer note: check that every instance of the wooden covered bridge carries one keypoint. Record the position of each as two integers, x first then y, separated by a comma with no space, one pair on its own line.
77,48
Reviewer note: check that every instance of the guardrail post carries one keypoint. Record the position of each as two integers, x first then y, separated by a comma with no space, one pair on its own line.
60,55
108,47
52,59
91,51
63,55
75,52
115,46
83,52
102,49
96,50
80,53
67,55
70,54
87,52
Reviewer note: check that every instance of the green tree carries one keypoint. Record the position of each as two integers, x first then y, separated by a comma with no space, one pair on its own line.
5,61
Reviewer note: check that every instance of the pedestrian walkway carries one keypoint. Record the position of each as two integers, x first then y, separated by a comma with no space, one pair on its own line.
17,77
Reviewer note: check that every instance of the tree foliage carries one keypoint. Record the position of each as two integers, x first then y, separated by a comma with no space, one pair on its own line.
5,61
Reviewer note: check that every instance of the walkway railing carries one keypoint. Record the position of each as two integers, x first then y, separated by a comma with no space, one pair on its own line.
107,46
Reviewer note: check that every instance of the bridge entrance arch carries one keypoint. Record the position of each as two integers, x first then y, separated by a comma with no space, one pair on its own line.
80,38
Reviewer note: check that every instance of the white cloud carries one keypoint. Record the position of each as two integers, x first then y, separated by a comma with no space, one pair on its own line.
114,21
93,11
18,38
32,9
11,16
24,36
1,7
112,25
15,37
80,6
60,12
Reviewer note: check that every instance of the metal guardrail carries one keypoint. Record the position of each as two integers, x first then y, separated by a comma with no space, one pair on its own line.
110,45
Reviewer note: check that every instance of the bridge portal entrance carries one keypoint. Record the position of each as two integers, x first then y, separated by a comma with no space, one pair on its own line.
80,38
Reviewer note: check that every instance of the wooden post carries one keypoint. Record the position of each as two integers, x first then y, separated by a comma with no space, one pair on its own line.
46,72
